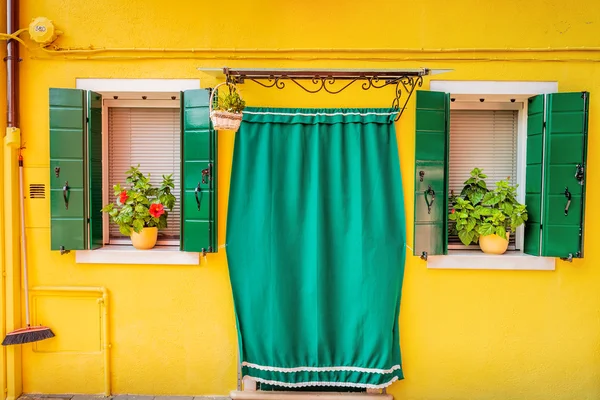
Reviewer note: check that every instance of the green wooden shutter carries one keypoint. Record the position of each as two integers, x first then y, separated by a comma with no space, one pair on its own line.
556,158
565,156
533,174
431,173
198,189
67,170
94,159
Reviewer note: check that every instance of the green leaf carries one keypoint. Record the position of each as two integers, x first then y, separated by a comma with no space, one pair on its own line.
516,222
138,225
471,222
140,209
465,237
490,199
125,229
500,231
484,211
486,229
482,183
476,197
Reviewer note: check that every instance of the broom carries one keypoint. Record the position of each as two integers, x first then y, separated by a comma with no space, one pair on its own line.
30,333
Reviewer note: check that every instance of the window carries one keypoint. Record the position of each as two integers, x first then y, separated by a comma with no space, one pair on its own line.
551,155
145,132
93,139
483,136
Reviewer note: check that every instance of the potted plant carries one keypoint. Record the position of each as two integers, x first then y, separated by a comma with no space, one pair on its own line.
228,112
140,210
485,216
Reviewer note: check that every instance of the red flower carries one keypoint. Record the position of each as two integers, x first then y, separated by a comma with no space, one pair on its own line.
156,210
123,197
452,211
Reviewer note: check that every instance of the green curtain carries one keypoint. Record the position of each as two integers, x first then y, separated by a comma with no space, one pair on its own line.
316,246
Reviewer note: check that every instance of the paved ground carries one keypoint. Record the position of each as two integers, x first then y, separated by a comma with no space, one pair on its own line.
115,397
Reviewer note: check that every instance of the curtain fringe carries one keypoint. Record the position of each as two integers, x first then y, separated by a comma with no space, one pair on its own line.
319,383
323,369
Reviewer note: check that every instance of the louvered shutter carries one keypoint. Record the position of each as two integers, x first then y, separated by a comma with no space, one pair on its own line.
149,137
485,139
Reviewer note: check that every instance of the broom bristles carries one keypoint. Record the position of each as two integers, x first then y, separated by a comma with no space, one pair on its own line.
28,335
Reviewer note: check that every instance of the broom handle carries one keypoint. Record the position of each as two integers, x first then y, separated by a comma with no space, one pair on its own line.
23,240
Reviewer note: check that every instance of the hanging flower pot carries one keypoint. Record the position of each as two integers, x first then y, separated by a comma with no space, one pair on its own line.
228,113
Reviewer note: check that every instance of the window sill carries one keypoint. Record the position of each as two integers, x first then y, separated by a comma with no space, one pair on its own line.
511,260
121,254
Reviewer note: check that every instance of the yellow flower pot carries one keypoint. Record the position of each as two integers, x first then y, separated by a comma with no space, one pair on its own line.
493,244
146,239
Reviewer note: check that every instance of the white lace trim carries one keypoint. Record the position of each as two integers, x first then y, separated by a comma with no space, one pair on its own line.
318,369
320,383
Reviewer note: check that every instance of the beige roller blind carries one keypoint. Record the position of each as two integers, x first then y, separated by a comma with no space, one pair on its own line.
484,139
149,137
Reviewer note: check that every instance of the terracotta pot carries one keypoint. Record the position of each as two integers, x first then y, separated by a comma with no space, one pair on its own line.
146,239
494,244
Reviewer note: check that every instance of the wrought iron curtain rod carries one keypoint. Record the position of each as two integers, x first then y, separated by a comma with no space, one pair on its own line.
314,81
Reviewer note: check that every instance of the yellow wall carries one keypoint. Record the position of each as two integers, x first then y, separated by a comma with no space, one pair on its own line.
464,334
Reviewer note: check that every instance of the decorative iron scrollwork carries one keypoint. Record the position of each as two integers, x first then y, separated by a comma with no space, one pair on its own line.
334,82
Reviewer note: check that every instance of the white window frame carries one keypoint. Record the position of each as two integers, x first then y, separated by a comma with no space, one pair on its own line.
467,94
132,89
472,102
149,102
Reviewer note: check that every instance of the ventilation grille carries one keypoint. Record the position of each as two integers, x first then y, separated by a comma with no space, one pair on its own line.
37,191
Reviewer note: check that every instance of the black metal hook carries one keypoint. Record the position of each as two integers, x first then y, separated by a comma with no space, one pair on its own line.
431,192
198,201
66,194
568,196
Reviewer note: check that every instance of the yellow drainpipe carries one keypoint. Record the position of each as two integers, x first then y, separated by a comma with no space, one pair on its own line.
104,301
12,261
